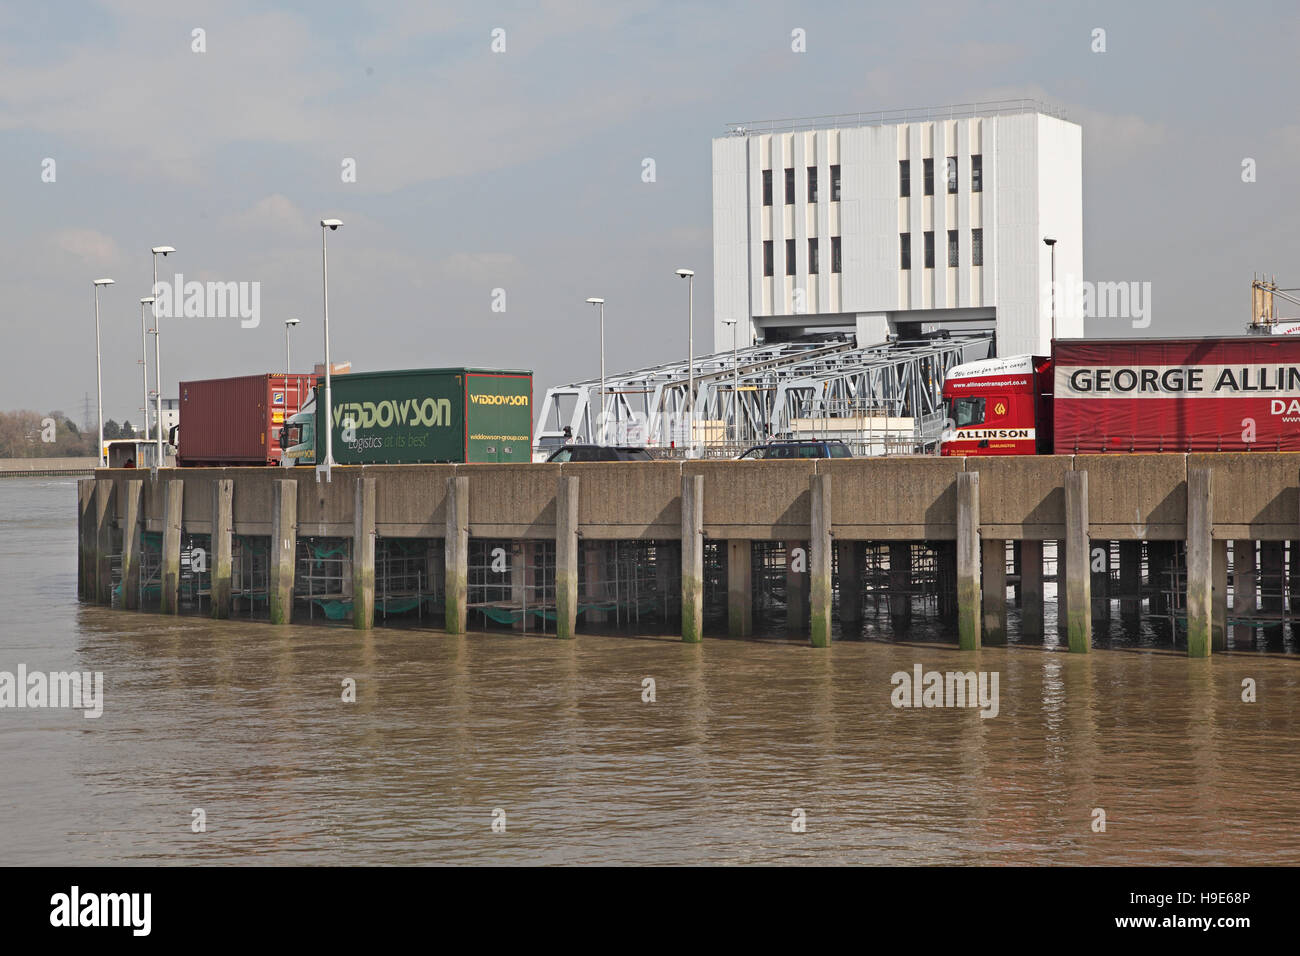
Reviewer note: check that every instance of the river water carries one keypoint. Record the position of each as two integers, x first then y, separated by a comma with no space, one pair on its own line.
554,741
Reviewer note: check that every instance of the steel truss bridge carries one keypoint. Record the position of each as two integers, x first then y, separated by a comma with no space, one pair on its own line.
881,399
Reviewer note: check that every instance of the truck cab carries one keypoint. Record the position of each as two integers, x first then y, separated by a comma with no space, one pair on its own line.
998,406
298,436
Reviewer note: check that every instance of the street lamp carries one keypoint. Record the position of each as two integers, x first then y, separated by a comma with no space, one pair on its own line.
144,364
157,365
99,378
288,366
1051,244
600,418
689,276
735,378
323,414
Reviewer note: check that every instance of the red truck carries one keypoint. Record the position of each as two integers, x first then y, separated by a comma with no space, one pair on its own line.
237,421
1236,393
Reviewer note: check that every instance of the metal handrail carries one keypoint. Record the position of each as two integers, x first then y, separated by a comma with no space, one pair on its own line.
891,117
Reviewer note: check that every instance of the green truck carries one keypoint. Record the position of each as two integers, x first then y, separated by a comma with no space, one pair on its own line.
415,416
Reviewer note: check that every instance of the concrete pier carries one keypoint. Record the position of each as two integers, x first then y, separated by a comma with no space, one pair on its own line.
797,586
1272,579
170,575
819,562
1244,579
1200,566
968,560
1130,579
457,556
284,548
131,544
363,556
223,525
1219,596
1031,589
566,558
86,539
692,558
993,564
740,587
849,556
103,541
1078,585
900,585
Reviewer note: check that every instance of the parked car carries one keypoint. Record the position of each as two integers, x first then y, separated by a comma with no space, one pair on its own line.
599,453
816,448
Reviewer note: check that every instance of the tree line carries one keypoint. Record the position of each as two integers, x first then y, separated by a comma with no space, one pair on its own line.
27,434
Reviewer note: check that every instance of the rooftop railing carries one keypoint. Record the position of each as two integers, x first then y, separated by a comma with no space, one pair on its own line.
924,114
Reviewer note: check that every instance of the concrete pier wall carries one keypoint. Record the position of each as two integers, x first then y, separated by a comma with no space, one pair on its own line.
828,504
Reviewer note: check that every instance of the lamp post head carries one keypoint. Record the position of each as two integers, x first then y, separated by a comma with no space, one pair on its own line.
1048,242
685,273
332,223
291,322
103,282
596,301
163,249
146,300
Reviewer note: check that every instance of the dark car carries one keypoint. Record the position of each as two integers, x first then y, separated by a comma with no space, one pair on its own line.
816,448
599,453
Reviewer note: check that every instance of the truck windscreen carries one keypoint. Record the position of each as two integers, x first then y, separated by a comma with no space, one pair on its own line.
966,411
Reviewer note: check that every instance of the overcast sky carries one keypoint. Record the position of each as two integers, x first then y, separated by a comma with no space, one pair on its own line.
521,170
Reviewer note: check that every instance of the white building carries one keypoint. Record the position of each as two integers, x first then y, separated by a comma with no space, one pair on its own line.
904,221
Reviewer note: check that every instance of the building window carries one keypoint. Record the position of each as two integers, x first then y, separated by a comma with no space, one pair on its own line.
812,257
977,173
767,187
789,186
835,253
929,249
904,178
951,171
953,261
767,257
977,247
904,250
929,176
812,183
835,184
789,257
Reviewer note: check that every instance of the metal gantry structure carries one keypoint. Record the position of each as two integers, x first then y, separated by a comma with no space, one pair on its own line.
881,399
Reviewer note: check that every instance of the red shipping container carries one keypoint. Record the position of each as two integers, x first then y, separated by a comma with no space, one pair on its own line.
1176,395
237,421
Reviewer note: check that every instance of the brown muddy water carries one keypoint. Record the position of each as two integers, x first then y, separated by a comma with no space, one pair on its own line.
245,721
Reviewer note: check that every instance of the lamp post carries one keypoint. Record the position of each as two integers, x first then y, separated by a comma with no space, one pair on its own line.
157,366
689,276
288,366
99,377
323,414
735,378
1051,245
600,417
144,364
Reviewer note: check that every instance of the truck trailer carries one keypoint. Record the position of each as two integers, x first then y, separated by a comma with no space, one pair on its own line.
413,416
1102,396
237,421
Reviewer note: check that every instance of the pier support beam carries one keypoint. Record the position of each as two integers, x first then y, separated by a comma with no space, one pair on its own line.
456,566
1062,597
223,526
103,541
1244,579
1272,584
566,557
900,584
1219,595
968,560
692,558
1130,578
1293,576
85,539
1031,589
363,555
796,585
1078,584
170,576
1200,565
819,562
993,574
134,490
849,556
284,547
740,588
1100,564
